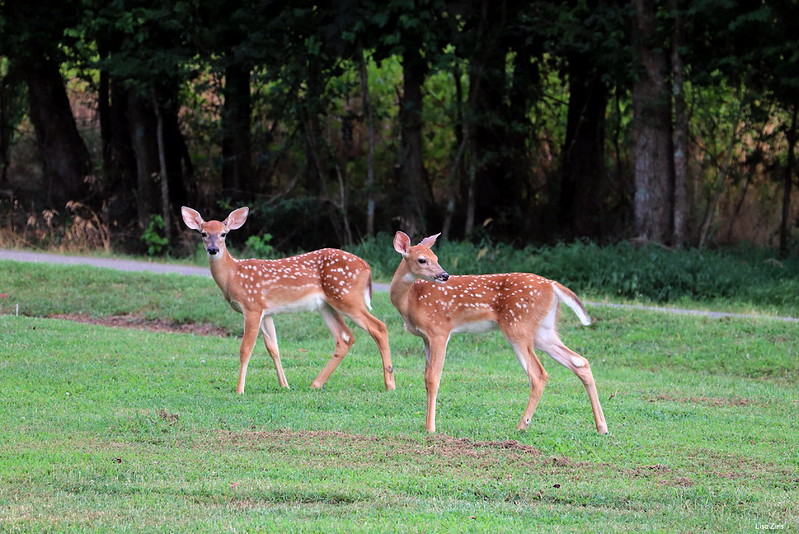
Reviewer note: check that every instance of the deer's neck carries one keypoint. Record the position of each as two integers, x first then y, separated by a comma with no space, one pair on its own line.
223,269
400,289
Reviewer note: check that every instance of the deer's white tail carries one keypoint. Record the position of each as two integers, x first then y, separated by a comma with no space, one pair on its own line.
566,296
367,294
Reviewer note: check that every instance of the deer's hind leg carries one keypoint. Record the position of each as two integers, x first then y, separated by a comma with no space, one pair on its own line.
377,329
538,377
344,340
547,339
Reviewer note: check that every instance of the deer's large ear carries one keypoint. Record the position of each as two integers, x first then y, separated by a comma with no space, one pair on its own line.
402,243
236,218
429,241
192,218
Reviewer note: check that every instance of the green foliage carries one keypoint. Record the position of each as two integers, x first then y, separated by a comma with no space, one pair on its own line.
153,236
661,275
259,246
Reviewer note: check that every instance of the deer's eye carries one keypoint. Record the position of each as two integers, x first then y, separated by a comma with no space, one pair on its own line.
204,234
422,261
223,234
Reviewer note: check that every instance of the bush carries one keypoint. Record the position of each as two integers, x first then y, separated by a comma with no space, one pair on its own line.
153,236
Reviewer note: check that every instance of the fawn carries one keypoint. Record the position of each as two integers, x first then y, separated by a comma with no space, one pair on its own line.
332,282
434,305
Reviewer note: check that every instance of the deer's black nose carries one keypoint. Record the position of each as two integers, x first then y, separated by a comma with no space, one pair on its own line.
443,276
213,251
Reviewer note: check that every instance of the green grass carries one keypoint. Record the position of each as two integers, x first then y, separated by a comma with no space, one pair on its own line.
129,430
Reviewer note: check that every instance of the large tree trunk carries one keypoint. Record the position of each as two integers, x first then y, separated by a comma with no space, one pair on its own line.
236,139
412,189
582,186
66,162
65,159
652,149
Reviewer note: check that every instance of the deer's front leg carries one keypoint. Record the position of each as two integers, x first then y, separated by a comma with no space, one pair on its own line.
252,322
436,351
270,340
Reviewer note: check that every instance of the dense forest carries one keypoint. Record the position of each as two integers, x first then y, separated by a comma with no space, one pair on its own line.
667,121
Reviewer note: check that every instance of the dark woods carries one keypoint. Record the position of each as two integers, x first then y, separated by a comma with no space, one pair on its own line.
665,121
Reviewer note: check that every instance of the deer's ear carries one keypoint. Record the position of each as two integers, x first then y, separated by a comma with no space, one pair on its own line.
402,243
192,218
429,241
237,218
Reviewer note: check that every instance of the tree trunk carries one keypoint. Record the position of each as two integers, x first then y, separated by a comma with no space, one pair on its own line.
582,187
370,144
499,184
119,163
316,167
143,132
652,150
236,138
178,163
65,159
162,171
456,169
12,106
414,69
680,134
32,45
785,226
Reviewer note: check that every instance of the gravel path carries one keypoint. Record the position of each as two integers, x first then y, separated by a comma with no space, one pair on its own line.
137,265
109,263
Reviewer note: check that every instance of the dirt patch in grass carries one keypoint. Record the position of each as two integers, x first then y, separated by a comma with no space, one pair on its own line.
448,444
703,463
709,401
138,322
440,451
441,443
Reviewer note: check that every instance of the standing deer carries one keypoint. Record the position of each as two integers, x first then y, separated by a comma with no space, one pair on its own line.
330,281
434,305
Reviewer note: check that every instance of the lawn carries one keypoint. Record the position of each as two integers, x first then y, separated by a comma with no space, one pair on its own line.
119,429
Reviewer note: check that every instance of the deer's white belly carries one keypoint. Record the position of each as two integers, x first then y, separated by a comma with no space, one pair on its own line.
312,302
476,327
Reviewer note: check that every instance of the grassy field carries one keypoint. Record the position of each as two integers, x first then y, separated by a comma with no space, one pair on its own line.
120,429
